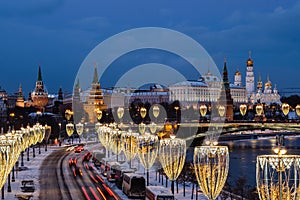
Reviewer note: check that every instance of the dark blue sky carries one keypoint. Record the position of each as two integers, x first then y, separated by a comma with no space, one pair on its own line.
58,35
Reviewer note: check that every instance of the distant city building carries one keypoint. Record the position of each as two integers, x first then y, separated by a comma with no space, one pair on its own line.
3,111
206,89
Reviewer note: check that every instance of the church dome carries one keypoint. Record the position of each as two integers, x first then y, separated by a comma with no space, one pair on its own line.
268,84
249,62
237,73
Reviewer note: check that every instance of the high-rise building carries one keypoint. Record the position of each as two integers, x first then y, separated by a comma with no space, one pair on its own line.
249,77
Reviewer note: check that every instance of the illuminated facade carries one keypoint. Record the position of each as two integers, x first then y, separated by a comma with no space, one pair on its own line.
267,96
249,77
95,100
40,95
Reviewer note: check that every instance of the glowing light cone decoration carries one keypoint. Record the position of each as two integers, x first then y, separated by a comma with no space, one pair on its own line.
243,109
70,129
142,128
130,144
298,109
221,110
79,128
277,176
4,160
117,145
147,151
285,108
172,153
259,109
211,164
143,112
155,111
152,127
203,110
120,112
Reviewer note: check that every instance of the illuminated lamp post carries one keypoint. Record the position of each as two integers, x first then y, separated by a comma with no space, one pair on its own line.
221,110
116,146
211,164
172,153
47,135
79,129
143,113
176,111
147,151
155,111
298,110
130,145
4,160
277,176
243,110
120,113
285,109
203,110
152,127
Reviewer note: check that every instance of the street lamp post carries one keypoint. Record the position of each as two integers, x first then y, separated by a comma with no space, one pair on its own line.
211,165
147,151
172,153
277,176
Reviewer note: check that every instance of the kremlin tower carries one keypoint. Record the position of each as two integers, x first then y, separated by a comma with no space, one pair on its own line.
20,99
39,96
95,100
225,96
238,78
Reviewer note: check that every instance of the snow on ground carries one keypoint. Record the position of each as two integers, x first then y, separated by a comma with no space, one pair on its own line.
31,173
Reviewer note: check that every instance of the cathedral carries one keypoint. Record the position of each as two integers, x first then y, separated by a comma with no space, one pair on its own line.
266,95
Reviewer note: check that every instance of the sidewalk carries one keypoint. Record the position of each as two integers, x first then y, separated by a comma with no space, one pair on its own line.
30,173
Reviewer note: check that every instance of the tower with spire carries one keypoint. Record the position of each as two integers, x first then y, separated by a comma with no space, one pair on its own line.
225,96
20,99
40,95
249,77
95,100
238,78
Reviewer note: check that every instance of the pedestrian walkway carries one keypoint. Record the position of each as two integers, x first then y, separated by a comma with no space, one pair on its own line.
30,171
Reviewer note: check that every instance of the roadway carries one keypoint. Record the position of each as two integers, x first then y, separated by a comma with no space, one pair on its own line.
59,180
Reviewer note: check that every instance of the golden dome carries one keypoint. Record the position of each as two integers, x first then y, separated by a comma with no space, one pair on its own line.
249,62
268,84
237,73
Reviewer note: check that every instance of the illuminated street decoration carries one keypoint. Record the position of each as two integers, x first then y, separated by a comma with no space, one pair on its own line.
155,111
203,110
277,176
221,110
211,164
147,151
259,109
172,153
285,108
243,109
143,112
298,109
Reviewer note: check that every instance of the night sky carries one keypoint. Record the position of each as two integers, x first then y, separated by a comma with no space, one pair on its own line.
59,34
